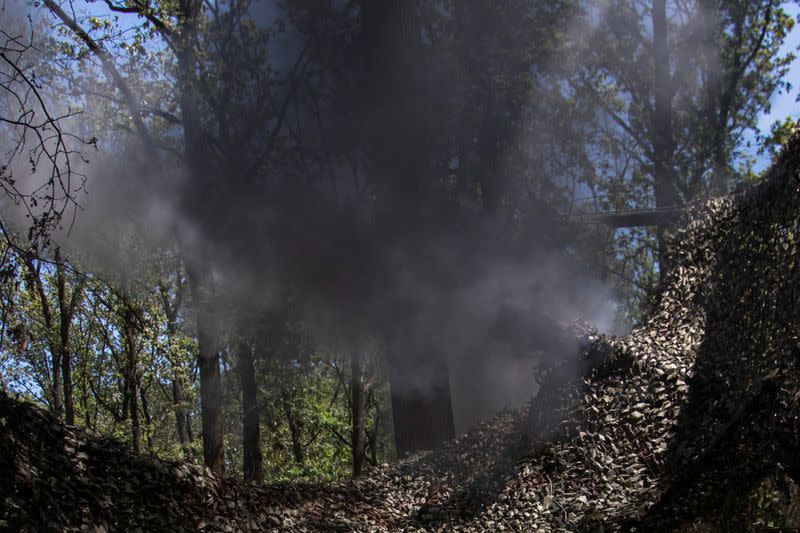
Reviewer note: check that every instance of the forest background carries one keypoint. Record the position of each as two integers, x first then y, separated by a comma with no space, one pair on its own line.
291,239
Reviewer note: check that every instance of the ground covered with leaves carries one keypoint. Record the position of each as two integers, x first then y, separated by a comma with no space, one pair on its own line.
691,421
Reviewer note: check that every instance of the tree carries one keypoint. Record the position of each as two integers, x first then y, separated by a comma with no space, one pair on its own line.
416,181
130,324
57,312
404,131
359,431
361,381
171,296
677,85
390,37
67,306
245,347
33,130
204,46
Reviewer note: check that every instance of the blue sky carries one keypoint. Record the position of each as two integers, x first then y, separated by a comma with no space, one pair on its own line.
784,104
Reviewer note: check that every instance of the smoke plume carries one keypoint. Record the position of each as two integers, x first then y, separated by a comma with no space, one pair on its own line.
420,267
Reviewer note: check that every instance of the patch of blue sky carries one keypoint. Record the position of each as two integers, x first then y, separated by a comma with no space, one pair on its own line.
784,104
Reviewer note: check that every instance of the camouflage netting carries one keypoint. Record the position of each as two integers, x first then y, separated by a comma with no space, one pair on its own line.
671,426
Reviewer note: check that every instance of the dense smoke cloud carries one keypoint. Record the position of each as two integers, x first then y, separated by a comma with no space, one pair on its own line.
420,271
435,294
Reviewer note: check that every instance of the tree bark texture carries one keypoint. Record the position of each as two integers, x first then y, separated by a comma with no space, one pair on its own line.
251,424
210,394
397,145
662,138
65,311
171,306
421,405
131,376
197,205
358,415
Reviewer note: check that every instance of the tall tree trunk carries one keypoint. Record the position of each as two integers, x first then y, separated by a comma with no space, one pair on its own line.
181,419
210,393
57,392
208,363
251,424
131,370
198,204
396,144
721,171
172,306
133,412
718,100
66,373
189,432
372,436
662,137
66,310
34,281
358,436
131,380
421,408
148,421
63,345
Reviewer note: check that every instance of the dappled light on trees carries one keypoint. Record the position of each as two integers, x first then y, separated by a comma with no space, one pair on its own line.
397,265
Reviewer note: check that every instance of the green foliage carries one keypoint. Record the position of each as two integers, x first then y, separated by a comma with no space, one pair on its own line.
724,66
779,134
541,106
303,394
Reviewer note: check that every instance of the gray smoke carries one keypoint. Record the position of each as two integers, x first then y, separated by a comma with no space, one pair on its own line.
433,272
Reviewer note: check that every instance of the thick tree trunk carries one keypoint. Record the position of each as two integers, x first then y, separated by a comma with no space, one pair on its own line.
358,415
189,432
66,374
133,404
421,408
136,423
397,146
129,330
251,424
210,395
63,345
663,142
58,391
197,205
148,420
721,173
66,310
211,398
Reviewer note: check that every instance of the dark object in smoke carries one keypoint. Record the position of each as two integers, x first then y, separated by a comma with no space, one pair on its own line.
423,416
631,218
584,334
530,330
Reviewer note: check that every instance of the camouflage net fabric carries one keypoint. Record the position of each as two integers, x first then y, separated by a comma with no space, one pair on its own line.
668,425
